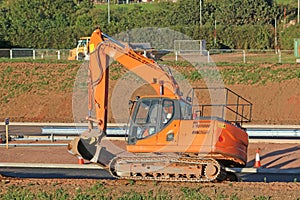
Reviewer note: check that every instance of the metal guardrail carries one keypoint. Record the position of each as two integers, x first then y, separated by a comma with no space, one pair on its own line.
111,131
273,133
253,132
119,130
35,145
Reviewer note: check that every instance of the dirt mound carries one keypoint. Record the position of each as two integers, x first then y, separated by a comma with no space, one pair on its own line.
40,92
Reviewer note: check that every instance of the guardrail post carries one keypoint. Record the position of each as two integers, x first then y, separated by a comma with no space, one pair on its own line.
6,131
279,56
244,56
52,137
208,60
176,56
33,54
10,54
58,55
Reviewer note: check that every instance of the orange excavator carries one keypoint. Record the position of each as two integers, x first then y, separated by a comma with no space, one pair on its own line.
169,137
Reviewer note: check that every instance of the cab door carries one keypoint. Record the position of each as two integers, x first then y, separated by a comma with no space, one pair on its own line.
154,126
168,124
145,120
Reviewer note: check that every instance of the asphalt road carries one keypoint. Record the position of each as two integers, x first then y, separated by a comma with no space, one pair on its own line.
55,173
26,172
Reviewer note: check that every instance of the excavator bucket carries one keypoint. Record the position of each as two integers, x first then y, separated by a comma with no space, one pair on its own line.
89,147
95,147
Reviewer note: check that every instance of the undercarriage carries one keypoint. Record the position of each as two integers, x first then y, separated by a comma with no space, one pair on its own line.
169,168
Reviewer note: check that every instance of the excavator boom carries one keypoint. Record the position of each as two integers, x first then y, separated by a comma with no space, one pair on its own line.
101,47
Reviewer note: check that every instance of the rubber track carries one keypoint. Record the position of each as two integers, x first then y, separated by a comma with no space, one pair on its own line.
164,159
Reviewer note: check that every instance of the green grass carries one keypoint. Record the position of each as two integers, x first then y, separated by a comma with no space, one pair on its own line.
155,5
30,60
250,75
100,191
35,78
287,2
39,77
238,73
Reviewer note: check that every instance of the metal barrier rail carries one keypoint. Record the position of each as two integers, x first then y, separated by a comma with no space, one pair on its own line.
119,130
253,132
111,131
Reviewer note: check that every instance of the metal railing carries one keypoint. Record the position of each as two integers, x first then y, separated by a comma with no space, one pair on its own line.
224,104
26,53
240,56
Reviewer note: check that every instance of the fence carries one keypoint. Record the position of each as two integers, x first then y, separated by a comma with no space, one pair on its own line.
242,56
23,53
213,55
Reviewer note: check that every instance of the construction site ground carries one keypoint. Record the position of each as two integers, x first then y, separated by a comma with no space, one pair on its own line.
272,155
273,103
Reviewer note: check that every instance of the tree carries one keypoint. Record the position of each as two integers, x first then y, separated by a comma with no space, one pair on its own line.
3,25
241,12
288,35
42,23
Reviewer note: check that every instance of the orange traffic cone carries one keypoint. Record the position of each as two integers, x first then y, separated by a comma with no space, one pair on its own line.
80,160
257,159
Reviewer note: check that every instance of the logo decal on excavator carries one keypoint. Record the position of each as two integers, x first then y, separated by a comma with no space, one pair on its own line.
200,128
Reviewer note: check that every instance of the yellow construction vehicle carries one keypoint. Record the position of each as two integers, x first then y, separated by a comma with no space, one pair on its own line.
81,51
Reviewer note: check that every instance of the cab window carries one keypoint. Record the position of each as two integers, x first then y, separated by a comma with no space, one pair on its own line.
185,110
167,111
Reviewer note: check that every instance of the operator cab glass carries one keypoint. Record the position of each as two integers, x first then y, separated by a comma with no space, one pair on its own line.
149,117
83,43
186,110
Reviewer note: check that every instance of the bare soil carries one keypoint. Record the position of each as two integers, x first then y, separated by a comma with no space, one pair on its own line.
272,155
273,103
123,189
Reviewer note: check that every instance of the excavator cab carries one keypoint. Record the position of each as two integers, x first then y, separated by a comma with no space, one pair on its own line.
150,116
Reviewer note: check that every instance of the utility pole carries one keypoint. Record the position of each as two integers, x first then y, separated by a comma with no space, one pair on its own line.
108,11
284,18
275,30
215,33
200,11
298,11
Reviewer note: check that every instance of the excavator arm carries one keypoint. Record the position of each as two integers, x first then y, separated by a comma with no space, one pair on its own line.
102,47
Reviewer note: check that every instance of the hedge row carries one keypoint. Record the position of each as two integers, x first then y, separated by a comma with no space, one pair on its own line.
239,24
